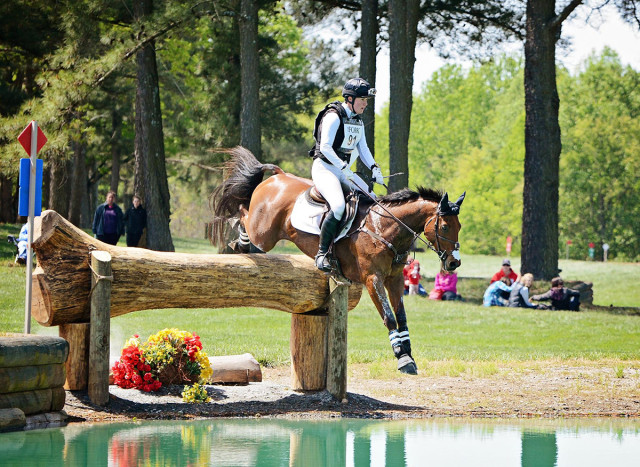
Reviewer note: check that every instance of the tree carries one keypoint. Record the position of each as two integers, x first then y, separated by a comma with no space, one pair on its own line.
403,22
368,53
250,77
601,144
542,134
151,174
448,25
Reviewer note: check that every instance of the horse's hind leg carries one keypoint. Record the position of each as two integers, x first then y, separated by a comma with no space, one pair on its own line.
398,336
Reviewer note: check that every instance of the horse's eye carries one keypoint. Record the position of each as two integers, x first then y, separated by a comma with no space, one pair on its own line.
444,228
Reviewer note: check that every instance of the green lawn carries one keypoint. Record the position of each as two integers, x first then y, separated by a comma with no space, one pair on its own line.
440,331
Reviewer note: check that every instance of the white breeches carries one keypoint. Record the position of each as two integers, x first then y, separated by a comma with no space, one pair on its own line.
329,180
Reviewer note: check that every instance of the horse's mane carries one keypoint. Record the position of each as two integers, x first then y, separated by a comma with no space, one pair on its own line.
407,195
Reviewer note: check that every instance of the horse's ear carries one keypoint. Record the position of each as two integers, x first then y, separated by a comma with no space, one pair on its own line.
444,203
461,199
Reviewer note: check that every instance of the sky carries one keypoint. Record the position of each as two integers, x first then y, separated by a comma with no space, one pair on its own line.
605,30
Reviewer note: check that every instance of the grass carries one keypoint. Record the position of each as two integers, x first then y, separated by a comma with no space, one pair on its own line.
448,338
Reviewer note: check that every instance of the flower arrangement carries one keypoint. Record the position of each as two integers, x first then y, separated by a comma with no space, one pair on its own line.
170,356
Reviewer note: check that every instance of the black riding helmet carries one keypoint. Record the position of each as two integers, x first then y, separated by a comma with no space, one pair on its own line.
358,87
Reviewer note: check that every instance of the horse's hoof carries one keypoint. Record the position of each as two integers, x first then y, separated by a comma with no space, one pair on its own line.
407,365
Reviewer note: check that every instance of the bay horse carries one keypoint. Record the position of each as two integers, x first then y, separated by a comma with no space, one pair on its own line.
372,254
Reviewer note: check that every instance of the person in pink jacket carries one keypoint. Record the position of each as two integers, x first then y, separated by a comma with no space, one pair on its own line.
447,283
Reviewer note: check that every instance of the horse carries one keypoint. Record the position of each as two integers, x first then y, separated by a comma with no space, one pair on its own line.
372,254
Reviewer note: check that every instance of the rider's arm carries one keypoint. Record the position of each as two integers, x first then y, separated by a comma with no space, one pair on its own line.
365,153
330,125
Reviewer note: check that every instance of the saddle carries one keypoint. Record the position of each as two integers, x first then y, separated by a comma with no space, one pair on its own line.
311,209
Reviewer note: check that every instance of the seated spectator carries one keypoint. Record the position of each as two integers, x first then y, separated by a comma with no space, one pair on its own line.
445,287
519,296
506,271
497,294
561,297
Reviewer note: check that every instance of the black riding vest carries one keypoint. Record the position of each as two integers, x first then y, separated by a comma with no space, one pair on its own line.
343,154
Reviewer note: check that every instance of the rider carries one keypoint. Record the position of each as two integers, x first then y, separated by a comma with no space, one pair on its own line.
340,140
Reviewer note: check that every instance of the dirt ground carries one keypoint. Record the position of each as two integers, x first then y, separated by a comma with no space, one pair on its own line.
541,389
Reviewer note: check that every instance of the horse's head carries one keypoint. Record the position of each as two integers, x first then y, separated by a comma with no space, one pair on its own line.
442,232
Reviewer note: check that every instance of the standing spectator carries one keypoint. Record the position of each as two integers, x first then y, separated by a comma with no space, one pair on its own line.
414,278
519,297
108,221
446,282
135,220
506,271
497,294
405,274
561,297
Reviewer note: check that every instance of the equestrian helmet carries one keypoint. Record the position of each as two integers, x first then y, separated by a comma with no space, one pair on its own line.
358,87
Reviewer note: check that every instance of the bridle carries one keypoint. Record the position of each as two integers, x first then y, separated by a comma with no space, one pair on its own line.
401,257
442,254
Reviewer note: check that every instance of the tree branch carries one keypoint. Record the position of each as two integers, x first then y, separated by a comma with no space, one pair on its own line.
556,22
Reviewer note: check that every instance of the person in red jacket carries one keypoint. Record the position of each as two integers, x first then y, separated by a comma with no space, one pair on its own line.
506,271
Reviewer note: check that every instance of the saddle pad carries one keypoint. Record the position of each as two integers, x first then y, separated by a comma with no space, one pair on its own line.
307,215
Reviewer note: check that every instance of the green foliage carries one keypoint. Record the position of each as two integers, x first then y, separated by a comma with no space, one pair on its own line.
601,157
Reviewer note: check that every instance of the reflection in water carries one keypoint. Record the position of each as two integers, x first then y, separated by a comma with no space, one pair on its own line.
267,442
539,449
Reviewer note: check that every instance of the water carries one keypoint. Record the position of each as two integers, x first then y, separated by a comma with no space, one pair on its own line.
269,442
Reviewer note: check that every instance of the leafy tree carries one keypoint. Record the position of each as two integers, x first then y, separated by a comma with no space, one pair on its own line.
542,132
601,152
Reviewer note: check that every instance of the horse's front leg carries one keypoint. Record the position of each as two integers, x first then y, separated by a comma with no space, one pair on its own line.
397,336
395,289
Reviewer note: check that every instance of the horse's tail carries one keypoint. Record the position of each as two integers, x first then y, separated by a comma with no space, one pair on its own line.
242,174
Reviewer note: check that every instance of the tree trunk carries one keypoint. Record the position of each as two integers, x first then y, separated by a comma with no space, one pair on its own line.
60,184
8,210
403,23
78,183
116,121
542,144
250,77
368,49
150,170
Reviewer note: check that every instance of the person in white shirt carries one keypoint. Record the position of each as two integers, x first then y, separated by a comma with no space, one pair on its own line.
340,140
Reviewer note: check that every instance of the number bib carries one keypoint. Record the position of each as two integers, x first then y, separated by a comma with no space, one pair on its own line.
353,129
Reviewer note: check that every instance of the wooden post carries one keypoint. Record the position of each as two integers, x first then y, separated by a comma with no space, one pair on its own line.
77,335
337,339
308,344
99,324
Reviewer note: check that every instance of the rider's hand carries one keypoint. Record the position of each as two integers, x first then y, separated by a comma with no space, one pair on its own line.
376,174
347,172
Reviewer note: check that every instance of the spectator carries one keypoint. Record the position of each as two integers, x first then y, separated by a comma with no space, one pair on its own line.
445,287
414,280
506,271
497,294
108,221
561,297
135,220
519,296
405,273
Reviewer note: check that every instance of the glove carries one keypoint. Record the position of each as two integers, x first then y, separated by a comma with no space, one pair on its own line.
376,174
346,171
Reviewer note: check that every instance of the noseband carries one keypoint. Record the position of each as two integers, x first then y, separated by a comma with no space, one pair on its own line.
442,254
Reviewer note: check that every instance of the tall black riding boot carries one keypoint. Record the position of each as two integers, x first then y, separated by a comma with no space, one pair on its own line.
327,234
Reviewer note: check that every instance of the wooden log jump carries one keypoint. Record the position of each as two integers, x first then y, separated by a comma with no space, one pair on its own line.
144,279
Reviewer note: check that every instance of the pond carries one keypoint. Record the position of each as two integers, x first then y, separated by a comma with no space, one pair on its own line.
339,442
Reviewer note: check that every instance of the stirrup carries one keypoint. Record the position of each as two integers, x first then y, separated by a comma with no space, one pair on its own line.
322,262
